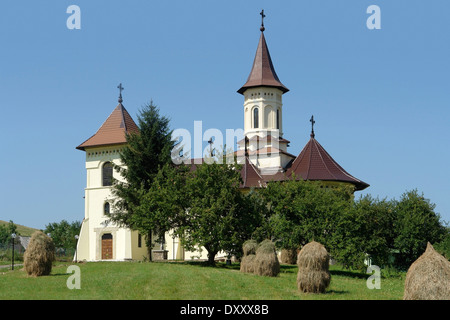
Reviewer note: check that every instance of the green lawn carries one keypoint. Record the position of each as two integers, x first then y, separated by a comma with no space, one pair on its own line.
186,281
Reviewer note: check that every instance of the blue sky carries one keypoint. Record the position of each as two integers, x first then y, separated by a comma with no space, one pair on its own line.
380,98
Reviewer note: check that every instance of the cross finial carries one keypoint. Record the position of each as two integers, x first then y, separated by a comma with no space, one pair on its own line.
210,141
262,20
120,92
312,126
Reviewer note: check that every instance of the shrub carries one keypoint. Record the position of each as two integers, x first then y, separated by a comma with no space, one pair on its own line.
39,255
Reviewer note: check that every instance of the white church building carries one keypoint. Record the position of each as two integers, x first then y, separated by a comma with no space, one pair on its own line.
264,151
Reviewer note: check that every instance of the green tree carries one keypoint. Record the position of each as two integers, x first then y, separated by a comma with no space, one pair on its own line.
6,231
416,223
164,202
219,216
365,230
144,155
303,211
63,233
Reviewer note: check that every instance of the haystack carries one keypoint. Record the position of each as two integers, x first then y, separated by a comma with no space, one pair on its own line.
313,274
266,260
288,256
428,278
39,256
249,248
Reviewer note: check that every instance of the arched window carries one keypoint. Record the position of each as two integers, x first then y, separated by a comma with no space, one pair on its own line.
107,174
255,118
278,118
107,208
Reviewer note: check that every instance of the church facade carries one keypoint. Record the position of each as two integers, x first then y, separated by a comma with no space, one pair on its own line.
263,153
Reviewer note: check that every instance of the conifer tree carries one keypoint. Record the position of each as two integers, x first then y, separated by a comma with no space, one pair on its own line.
144,155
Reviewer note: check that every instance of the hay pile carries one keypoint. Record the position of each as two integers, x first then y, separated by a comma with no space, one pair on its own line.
288,256
428,278
266,260
313,274
249,249
40,254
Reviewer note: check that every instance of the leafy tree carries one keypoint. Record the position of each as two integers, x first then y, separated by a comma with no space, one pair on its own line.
63,233
443,247
144,155
415,224
365,229
303,211
219,216
6,231
162,204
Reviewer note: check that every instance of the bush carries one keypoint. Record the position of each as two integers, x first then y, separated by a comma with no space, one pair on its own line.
39,256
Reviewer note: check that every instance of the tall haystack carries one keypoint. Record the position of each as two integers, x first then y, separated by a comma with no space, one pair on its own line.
39,256
249,248
266,261
428,278
288,256
313,274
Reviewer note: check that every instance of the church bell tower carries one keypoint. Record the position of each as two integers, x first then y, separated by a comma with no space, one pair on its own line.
263,113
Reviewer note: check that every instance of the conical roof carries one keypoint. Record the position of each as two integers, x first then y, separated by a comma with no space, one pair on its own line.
113,130
263,73
250,175
314,163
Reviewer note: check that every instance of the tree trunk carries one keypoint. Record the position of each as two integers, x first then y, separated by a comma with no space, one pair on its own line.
211,255
149,245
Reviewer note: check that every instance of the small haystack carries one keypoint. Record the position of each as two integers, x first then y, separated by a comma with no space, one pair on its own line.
428,278
247,260
39,256
288,256
313,274
249,247
266,260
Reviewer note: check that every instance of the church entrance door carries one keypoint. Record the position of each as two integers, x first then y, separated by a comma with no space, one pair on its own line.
107,246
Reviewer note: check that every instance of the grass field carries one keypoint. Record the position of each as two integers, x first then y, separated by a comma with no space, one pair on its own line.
185,281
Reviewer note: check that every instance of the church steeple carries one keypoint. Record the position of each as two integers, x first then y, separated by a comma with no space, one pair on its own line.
263,72
263,109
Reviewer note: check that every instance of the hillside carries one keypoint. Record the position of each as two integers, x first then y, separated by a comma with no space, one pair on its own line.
21,230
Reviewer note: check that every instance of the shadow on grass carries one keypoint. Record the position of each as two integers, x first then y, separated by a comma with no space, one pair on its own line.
349,273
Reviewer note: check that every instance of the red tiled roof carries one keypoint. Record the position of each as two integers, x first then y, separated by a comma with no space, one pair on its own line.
314,163
113,130
264,151
263,73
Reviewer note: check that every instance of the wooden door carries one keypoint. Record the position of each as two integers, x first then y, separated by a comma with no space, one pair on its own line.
107,246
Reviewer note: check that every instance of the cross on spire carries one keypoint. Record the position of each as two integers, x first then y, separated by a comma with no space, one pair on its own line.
120,92
312,126
262,20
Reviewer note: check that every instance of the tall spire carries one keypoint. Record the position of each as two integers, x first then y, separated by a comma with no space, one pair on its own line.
263,73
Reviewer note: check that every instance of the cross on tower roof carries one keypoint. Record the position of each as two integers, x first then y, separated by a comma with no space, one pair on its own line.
120,92
262,20
312,126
